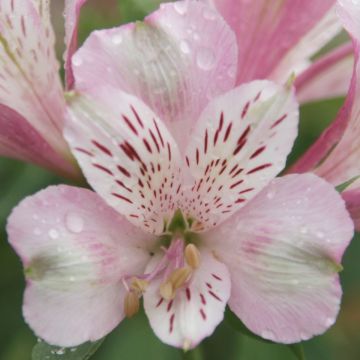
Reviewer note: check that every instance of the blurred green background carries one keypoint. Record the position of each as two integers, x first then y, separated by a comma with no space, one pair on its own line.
134,339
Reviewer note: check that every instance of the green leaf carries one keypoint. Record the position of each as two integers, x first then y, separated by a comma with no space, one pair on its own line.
298,350
342,187
194,354
43,351
237,324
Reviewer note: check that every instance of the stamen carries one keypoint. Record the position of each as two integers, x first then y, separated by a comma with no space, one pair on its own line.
192,256
179,277
139,285
167,290
131,304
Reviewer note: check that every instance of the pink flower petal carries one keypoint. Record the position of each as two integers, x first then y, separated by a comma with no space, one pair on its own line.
328,77
127,155
29,80
239,144
72,15
18,139
197,308
336,149
276,39
352,198
283,251
178,59
75,250
343,162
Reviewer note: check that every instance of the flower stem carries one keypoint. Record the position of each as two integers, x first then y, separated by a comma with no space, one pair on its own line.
195,354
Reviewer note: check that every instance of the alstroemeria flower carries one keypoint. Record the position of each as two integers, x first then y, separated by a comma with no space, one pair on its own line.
32,105
335,155
279,38
187,214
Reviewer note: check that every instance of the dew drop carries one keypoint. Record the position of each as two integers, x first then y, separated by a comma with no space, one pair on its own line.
181,7
185,47
320,234
209,14
60,352
74,222
117,39
270,195
77,60
54,234
37,231
329,321
205,59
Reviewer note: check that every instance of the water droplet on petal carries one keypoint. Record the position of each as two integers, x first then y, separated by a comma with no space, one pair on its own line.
54,234
181,7
77,60
205,59
37,231
117,39
209,14
270,195
320,234
185,47
74,222
329,322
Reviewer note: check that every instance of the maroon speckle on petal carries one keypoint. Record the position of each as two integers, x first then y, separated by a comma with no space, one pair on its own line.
102,148
202,313
104,169
160,302
122,198
216,277
245,109
188,294
171,327
259,168
214,295
129,124
278,121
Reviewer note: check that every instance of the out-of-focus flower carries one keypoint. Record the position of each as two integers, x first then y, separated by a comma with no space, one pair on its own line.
197,218
278,38
32,105
335,155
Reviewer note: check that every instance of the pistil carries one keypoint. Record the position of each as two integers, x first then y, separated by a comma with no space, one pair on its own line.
176,267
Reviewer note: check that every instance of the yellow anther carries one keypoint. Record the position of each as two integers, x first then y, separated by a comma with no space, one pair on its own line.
192,256
139,285
131,304
179,277
167,290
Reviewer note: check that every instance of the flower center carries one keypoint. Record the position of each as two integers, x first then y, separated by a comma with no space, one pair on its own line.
174,265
